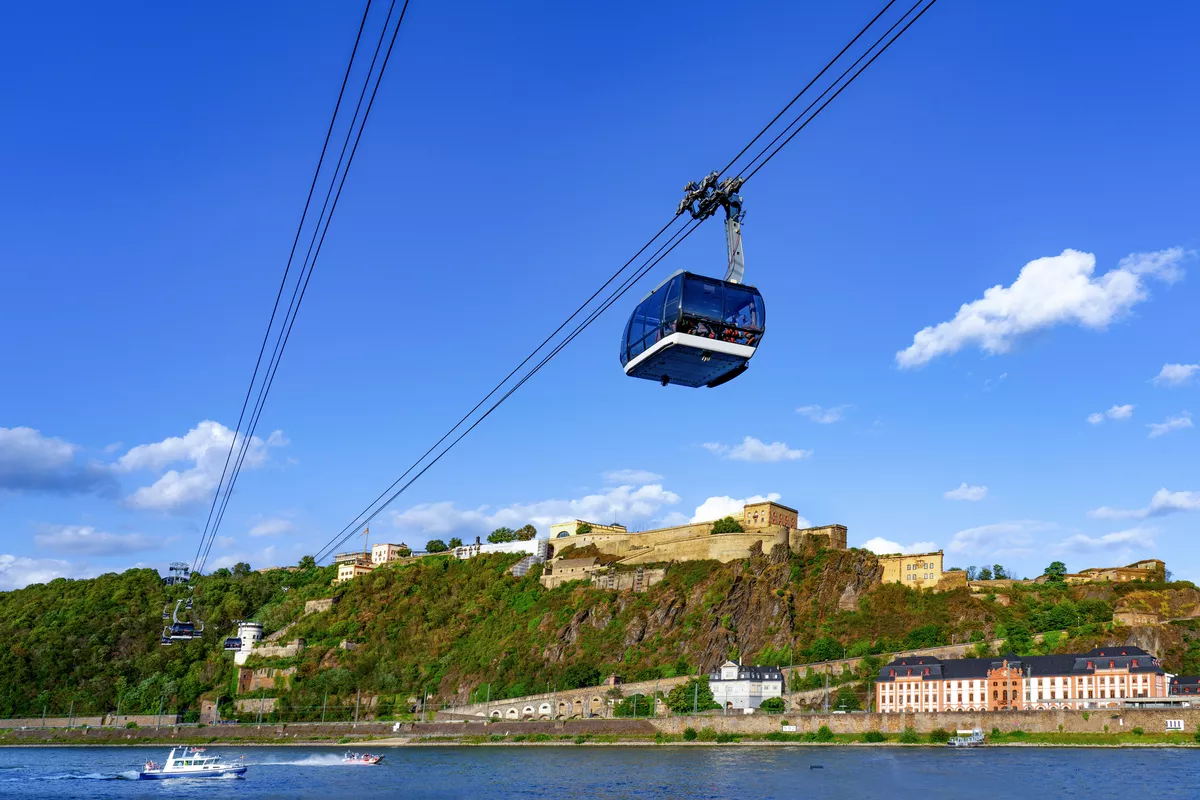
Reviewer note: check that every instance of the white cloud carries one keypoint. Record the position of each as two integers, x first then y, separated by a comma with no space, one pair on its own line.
972,494
622,504
30,461
1125,541
206,447
638,477
1164,502
998,539
1175,374
1116,412
724,506
1048,291
823,416
1183,420
86,540
752,449
272,527
267,557
17,572
885,547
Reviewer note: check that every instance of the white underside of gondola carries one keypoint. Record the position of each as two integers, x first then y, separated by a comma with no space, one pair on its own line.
725,356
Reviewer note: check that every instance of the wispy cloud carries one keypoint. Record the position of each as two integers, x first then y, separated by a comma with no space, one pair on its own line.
17,572
1162,503
999,539
622,504
272,526
1175,374
1116,412
1176,423
638,477
1048,291
1140,538
752,449
822,415
32,462
205,447
884,547
971,494
86,540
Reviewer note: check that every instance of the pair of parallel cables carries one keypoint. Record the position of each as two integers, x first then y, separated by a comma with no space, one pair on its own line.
747,171
242,441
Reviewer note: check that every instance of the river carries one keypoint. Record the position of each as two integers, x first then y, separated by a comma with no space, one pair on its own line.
592,773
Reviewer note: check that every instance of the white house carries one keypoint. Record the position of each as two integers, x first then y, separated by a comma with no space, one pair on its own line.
734,686
532,547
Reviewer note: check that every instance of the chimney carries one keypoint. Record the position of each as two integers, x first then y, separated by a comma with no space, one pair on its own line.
476,541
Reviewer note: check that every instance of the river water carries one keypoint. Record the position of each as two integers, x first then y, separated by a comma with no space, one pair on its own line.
591,773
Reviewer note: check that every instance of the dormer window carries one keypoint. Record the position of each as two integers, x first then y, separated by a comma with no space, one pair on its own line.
927,670
893,673
1112,664
1091,665
1135,663
910,670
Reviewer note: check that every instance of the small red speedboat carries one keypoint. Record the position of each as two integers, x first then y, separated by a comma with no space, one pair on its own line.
365,759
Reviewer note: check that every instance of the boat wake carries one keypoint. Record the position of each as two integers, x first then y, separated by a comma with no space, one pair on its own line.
128,775
316,760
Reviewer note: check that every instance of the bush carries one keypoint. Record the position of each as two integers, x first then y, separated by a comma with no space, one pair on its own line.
1196,736
725,738
689,734
773,705
939,736
580,739
824,734
133,726
727,525
909,736
707,734
1137,732
872,737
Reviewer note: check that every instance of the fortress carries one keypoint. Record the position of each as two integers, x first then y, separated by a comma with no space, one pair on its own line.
765,524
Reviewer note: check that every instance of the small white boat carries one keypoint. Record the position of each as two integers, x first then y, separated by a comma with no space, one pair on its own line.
365,759
190,762
971,738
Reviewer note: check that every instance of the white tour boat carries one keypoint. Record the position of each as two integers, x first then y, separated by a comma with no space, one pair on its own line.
365,759
190,762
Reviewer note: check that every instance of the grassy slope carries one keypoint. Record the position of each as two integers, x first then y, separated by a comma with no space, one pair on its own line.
450,626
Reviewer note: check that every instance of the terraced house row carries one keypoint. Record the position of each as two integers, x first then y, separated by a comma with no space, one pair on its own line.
1101,678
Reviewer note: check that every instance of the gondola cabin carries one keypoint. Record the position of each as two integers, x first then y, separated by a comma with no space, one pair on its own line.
233,643
692,330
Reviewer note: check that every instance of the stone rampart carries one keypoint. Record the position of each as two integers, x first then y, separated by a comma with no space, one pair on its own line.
1104,721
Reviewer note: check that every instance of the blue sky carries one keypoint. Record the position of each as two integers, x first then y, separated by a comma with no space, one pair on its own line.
518,153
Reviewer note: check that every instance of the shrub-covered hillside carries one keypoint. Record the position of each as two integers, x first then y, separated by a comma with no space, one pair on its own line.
457,629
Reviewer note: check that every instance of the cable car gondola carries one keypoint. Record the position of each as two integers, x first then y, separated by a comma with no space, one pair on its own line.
693,330
178,630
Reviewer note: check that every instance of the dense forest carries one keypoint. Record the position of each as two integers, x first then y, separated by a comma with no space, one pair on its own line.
457,629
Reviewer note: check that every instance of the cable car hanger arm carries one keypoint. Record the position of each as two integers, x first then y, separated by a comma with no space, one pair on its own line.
702,199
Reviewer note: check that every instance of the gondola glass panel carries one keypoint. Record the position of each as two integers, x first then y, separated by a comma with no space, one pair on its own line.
694,331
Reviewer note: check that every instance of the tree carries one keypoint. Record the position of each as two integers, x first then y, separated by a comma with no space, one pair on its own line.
985,574
1000,572
972,573
241,569
403,551
526,532
773,705
691,693
435,546
307,562
1056,572
1018,640
825,649
727,525
578,676
582,528
455,542
846,700
501,535
639,705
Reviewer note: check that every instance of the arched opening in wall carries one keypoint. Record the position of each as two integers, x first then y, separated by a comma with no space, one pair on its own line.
564,709
496,714
597,706
528,712
549,551
544,710
512,713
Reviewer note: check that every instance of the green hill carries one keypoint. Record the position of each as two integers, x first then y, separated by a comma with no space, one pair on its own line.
453,628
